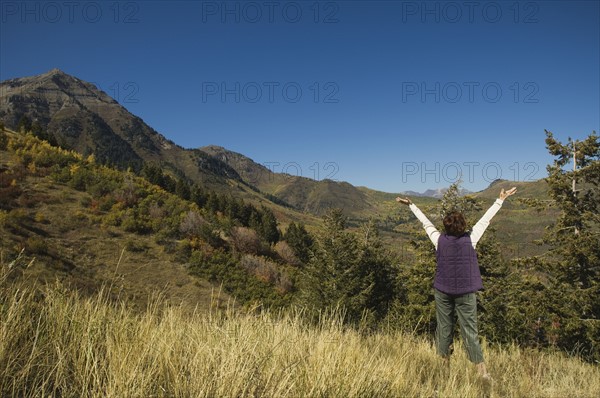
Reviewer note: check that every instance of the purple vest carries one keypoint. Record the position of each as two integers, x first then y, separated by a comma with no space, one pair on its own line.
457,267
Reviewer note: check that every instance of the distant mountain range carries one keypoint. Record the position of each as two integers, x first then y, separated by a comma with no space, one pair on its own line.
79,116
435,193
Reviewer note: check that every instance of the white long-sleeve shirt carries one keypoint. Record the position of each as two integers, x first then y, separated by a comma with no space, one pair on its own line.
478,229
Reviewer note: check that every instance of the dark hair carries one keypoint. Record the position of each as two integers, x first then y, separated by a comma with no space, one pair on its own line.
455,223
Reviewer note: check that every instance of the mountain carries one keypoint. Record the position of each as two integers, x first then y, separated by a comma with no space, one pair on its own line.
79,116
302,193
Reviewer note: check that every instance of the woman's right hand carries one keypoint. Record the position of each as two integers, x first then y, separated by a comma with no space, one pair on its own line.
506,194
405,201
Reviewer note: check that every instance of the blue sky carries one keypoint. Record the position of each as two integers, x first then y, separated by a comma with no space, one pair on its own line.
393,95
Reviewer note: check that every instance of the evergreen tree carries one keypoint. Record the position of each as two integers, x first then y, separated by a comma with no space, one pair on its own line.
37,130
574,238
246,210
168,183
331,269
232,208
24,124
254,220
212,202
342,272
153,174
376,265
300,241
198,196
268,229
182,189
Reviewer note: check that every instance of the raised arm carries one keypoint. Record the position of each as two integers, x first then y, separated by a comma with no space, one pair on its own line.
484,222
430,229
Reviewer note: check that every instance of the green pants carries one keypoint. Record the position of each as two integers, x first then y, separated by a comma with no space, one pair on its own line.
464,307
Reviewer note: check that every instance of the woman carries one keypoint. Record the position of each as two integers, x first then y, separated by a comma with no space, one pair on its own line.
457,278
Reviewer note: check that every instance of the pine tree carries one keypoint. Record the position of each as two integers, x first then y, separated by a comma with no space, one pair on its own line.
232,208
347,272
212,202
182,189
254,221
332,267
153,174
37,130
574,257
300,241
375,263
199,196
24,124
413,308
268,229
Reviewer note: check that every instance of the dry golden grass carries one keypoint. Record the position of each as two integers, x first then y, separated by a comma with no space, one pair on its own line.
56,343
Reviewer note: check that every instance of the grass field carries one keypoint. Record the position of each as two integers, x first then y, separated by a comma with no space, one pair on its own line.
54,343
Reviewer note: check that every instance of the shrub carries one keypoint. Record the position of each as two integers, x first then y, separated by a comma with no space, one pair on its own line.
284,283
246,240
15,217
221,267
183,250
211,236
86,202
268,272
191,224
40,218
286,253
135,246
264,269
36,245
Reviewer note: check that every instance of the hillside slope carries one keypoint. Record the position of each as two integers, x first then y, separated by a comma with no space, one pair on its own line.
302,193
518,225
57,233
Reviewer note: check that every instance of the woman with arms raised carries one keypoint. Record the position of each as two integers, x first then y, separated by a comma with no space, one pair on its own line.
457,278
